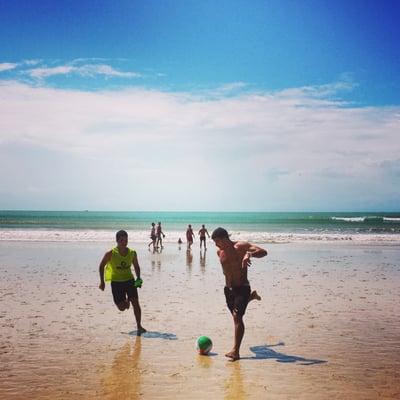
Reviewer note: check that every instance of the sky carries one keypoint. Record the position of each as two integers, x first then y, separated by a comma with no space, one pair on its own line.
200,105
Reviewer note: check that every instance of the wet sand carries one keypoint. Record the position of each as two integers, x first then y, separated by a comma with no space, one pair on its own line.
328,325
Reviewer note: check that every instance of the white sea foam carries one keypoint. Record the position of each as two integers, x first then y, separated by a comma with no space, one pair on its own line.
391,219
349,219
173,236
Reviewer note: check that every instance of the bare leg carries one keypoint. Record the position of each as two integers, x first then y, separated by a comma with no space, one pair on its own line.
138,316
239,332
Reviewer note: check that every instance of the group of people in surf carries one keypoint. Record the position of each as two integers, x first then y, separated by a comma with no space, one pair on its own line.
157,235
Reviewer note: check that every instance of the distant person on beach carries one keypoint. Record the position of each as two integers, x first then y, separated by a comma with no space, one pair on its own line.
202,233
160,235
123,284
235,258
189,236
153,235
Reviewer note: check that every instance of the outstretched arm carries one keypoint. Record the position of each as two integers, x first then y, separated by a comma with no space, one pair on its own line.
103,263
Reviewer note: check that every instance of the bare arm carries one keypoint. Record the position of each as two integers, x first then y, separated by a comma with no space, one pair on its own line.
256,251
103,263
252,251
136,266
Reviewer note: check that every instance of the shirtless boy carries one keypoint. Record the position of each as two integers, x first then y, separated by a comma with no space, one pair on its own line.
123,284
235,258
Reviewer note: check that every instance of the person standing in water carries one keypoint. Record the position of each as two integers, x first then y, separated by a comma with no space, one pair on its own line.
153,236
189,236
160,235
123,284
202,233
235,258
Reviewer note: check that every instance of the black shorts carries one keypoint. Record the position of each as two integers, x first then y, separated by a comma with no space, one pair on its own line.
124,290
237,298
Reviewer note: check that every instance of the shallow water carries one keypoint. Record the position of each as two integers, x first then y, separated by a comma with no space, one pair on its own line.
327,326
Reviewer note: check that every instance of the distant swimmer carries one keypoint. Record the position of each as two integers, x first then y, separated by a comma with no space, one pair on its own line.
202,233
116,268
189,236
235,258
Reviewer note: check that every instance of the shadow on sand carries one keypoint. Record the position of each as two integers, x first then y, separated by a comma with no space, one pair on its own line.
265,352
155,335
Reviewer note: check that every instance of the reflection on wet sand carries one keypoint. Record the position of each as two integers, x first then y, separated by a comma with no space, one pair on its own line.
234,386
203,261
189,259
124,378
204,361
155,263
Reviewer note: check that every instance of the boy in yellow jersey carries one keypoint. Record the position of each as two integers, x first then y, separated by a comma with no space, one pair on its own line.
123,284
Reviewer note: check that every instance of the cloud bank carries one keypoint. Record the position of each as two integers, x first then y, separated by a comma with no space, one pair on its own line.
146,149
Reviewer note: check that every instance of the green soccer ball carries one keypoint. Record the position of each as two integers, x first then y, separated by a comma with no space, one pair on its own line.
203,345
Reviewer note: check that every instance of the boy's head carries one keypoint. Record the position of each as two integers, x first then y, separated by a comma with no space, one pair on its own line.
122,237
220,237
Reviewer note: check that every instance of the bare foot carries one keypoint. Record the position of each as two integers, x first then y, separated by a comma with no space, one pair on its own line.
140,331
233,355
254,296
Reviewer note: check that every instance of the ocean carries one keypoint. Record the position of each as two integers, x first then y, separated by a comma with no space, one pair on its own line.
259,227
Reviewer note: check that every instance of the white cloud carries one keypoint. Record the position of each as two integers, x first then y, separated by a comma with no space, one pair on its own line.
88,70
282,150
7,66
31,62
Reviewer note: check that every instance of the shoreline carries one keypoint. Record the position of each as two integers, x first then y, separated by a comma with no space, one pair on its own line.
105,236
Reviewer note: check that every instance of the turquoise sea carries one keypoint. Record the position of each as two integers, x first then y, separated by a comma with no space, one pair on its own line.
258,226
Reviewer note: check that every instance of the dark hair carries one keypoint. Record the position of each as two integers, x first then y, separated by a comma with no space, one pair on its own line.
220,233
120,234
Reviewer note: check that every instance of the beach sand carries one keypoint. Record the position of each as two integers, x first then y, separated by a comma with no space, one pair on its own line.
328,325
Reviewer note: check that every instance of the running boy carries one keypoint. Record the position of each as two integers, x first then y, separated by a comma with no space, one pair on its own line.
235,258
123,284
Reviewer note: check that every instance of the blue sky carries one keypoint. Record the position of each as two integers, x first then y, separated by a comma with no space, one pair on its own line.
238,105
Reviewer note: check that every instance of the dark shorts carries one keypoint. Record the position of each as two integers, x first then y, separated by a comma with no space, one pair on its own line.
153,237
202,238
237,298
123,290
